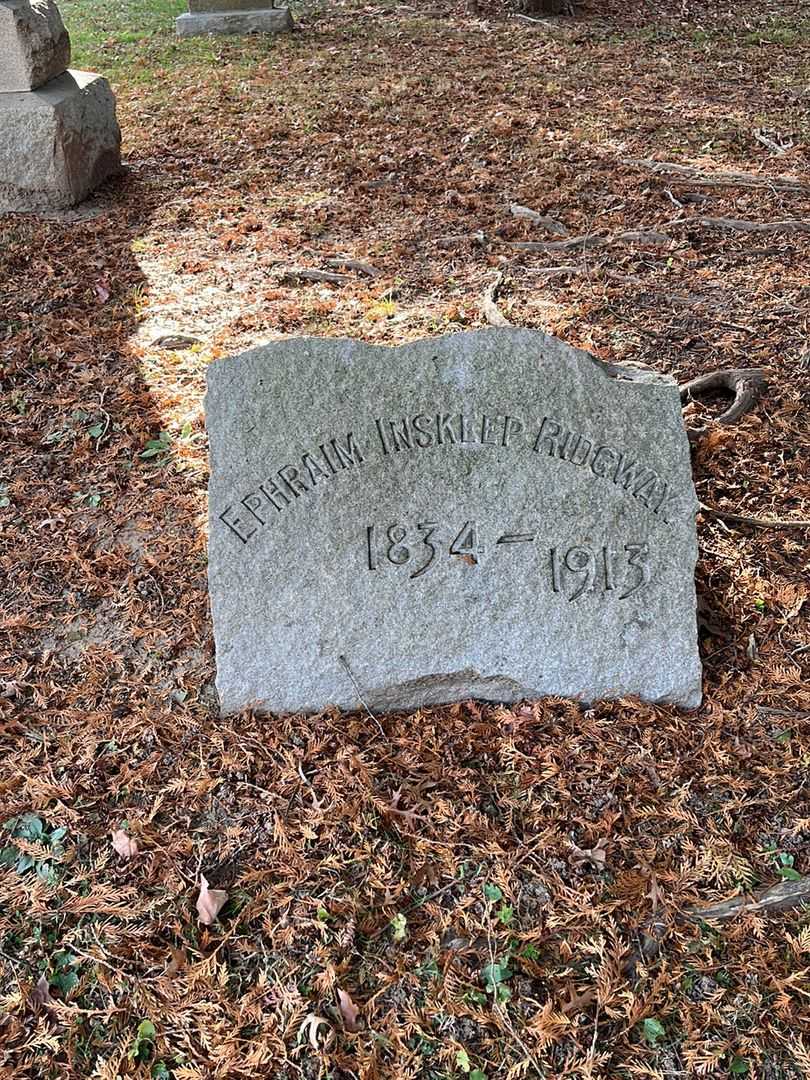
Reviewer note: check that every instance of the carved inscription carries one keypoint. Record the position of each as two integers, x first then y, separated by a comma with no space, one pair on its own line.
622,569
279,489
543,442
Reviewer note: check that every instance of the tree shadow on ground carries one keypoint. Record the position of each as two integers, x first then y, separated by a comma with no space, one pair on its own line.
105,611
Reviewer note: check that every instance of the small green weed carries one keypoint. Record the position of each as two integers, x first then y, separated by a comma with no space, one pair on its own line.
143,1044
31,828
157,447
653,1030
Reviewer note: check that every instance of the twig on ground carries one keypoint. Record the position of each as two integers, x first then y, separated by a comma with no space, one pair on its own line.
360,697
478,238
763,523
554,271
642,236
539,22
574,243
316,801
647,237
489,308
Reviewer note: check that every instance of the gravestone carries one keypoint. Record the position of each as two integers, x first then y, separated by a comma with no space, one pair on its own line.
232,17
59,137
34,44
491,514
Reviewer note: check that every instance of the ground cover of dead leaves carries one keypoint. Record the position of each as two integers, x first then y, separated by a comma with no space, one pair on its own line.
477,891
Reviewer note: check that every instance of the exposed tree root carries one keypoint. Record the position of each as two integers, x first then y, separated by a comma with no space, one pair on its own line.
746,384
489,309
356,265
553,226
721,179
762,523
574,243
645,237
790,225
781,897
326,276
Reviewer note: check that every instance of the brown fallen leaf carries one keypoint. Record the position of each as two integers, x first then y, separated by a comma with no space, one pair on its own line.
124,844
310,1028
407,815
577,1003
41,994
348,1010
596,856
210,902
177,963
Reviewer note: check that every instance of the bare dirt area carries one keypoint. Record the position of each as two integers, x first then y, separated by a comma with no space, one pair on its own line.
470,891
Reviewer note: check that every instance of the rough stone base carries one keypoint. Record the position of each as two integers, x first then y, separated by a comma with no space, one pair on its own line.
57,143
259,21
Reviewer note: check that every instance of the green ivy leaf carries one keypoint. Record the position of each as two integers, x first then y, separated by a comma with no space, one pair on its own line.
65,981
653,1030
505,914
787,873
146,1031
494,974
9,855
492,893
28,827
738,1066
46,873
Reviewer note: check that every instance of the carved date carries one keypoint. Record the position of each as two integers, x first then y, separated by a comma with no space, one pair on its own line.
572,571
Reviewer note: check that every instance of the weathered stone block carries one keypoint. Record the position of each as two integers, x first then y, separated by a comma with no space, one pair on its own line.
223,6
491,514
257,21
57,143
34,45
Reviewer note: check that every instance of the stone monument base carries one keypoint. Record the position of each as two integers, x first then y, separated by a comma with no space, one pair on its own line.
57,143
260,21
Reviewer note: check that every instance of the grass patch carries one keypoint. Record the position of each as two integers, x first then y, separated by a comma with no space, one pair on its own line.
135,42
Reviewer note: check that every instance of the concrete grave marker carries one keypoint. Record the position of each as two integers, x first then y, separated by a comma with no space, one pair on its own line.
491,514
233,17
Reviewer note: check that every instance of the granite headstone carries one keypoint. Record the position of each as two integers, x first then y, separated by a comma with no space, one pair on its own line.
34,44
491,514
59,138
